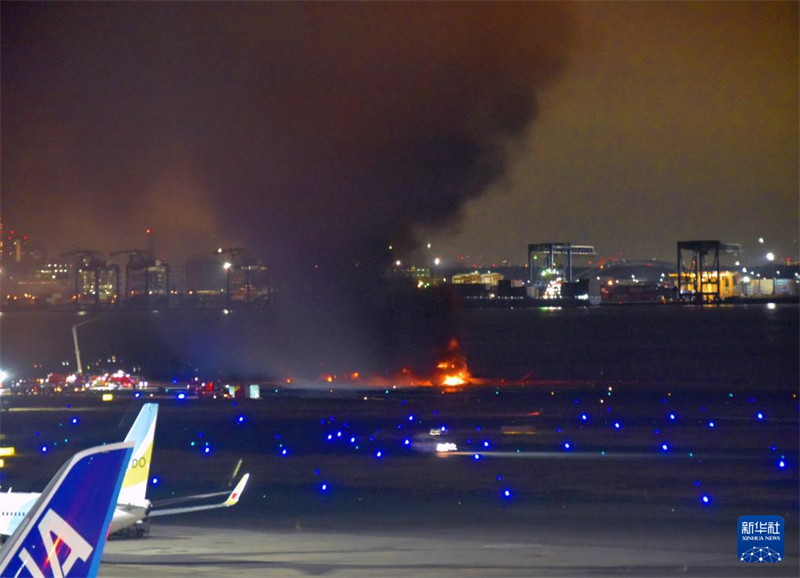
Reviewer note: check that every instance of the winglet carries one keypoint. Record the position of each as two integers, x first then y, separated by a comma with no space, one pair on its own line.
237,491
65,531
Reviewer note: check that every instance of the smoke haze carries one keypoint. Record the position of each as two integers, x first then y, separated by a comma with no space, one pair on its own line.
313,133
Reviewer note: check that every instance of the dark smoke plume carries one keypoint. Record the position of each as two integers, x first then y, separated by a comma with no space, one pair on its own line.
313,133
309,131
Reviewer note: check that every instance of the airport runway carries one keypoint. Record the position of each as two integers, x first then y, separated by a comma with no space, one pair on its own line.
456,553
614,503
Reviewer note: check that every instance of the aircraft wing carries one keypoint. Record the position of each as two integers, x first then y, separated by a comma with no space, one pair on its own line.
65,531
159,504
233,498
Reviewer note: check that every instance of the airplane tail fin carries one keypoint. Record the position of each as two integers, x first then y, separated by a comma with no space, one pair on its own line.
65,531
142,433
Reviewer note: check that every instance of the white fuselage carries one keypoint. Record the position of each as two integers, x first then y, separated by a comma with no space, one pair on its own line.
15,505
126,515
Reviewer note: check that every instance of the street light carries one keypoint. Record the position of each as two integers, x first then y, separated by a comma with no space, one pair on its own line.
771,259
227,267
745,281
436,262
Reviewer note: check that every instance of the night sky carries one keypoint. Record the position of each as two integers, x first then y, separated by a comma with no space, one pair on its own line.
322,133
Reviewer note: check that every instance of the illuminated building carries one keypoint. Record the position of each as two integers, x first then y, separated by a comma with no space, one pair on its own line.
476,278
12,244
725,283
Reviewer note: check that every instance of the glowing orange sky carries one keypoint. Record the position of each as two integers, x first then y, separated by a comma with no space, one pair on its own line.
673,120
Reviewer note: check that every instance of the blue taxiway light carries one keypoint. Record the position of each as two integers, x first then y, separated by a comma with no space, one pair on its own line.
672,417
566,445
74,420
406,442
207,450
241,419
379,454
43,449
154,481
507,493
706,499
284,452
486,444
476,457
352,440
759,415
411,418
664,447
584,417
181,396
324,487
781,464
617,425
711,424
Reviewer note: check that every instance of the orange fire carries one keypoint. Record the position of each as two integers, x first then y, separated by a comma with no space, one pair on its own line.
453,370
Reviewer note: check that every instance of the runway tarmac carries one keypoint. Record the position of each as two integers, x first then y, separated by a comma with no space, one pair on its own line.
457,553
367,504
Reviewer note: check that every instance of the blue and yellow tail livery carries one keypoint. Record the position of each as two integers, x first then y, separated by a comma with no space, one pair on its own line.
64,533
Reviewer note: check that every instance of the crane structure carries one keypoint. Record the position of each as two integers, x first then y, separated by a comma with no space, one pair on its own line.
143,266
238,261
94,277
699,278
554,280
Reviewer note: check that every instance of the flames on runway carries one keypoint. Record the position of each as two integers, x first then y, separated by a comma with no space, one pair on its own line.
451,371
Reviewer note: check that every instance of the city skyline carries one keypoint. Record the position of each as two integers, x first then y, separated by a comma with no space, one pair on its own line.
629,137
